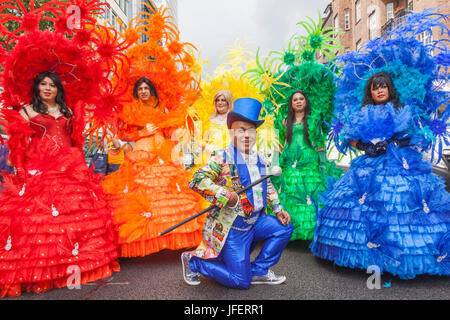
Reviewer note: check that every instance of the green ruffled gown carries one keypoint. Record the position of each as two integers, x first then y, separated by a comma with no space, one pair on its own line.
301,183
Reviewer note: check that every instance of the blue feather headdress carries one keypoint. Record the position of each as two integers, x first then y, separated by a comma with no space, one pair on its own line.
419,72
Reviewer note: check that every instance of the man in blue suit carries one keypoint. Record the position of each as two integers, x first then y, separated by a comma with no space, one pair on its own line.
238,223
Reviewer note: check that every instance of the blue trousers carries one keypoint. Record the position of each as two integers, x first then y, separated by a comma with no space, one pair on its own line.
232,268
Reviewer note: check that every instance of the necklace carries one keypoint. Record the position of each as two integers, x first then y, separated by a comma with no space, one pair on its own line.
220,118
52,110
300,118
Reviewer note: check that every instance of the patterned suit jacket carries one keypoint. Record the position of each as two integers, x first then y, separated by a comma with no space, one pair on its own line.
215,182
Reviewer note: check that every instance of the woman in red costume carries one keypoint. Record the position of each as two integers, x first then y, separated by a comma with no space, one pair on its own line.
56,229
53,219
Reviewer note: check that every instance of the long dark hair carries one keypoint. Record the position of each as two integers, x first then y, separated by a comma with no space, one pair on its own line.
377,80
36,101
291,118
153,91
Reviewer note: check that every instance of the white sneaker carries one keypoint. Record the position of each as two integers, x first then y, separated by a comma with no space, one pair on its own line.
190,277
269,278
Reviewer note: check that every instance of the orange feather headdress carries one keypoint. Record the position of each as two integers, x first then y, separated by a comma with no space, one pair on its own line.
166,62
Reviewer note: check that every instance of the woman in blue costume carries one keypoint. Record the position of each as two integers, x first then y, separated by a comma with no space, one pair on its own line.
389,209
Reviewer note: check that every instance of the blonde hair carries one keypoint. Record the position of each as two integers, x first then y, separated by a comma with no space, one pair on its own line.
228,98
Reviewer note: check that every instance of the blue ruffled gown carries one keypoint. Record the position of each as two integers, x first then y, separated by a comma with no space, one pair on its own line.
390,211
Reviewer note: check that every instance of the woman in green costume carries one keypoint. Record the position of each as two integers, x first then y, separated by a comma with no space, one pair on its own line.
299,93
306,170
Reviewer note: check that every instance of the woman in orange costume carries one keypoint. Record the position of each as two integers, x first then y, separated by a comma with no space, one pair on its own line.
149,192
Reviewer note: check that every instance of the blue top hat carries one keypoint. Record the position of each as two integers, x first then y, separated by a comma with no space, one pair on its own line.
245,109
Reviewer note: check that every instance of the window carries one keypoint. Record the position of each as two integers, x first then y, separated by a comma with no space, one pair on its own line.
123,4
125,7
113,19
347,19
336,21
427,37
107,14
358,44
410,5
373,25
145,9
358,10
389,11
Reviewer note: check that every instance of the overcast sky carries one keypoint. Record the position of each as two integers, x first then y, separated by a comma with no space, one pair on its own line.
213,25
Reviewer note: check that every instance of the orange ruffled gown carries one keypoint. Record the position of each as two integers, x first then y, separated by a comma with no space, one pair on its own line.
150,194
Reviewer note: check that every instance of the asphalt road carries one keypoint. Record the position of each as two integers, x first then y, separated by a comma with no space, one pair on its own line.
159,277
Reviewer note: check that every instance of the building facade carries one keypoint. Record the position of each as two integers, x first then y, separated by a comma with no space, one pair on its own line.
363,20
173,8
119,13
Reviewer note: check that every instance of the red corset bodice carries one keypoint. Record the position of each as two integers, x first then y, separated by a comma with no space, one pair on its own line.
52,134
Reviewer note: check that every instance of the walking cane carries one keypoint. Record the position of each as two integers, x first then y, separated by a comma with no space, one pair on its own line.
276,171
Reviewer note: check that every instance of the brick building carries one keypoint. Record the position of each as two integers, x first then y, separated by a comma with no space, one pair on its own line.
362,20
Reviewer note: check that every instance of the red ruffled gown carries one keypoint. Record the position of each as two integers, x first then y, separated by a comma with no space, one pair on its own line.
54,222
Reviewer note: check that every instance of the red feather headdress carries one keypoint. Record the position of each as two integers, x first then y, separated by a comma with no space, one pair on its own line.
85,55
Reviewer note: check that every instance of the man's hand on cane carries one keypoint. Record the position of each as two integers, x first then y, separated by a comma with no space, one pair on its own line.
282,216
233,200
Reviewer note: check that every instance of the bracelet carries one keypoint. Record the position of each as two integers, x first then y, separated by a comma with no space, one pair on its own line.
277,209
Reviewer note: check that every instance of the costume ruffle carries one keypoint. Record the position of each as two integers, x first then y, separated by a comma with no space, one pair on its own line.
302,182
51,222
376,123
380,213
149,193
53,216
